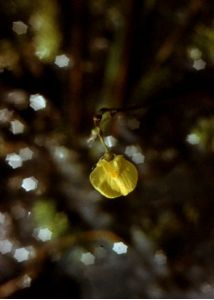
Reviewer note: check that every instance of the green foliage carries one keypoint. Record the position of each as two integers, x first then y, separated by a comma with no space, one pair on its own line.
47,36
204,130
45,215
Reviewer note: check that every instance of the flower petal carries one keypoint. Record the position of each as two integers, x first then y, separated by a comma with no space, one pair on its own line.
114,178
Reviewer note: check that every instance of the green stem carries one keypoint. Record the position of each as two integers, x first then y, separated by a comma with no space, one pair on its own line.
103,143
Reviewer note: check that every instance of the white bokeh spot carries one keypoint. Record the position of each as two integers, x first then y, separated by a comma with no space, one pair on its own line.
87,258
19,27
120,248
5,246
60,153
26,153
21,254
37,102
14,160
199,64
131,150
193,139
29,184
16,127
195,53
62,61
2,218
26,281
135,154
5,115
160,258
44,234
110,141
138,158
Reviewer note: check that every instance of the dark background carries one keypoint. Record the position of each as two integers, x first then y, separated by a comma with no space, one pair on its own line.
156,55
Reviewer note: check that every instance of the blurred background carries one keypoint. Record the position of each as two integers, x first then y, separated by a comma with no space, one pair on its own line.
60,62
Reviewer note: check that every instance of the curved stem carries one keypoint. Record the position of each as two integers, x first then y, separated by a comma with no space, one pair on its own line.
103,142
99,117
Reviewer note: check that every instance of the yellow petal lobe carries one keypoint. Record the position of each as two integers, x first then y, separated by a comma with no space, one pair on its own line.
114,178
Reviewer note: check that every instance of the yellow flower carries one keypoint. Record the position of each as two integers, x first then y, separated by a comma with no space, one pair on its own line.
114,178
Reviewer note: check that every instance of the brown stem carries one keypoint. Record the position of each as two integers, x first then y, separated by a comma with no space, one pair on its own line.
169,44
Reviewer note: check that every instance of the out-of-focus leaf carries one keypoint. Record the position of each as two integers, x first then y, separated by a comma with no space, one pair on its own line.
46,215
